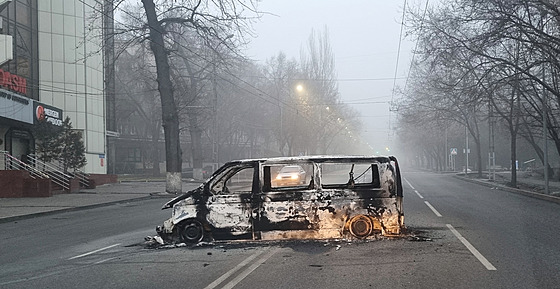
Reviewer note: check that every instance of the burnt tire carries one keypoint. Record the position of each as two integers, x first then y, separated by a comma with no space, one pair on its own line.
360,226
191,231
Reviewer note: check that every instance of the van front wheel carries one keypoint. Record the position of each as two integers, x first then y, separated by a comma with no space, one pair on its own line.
191,231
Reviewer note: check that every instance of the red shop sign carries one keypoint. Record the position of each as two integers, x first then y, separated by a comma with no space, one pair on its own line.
13,82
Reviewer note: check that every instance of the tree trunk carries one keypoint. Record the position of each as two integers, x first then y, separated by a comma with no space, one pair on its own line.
513,181
196,147
479,156
170,117
528,136
155,150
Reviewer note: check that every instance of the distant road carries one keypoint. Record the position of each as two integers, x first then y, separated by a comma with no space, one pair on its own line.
461,235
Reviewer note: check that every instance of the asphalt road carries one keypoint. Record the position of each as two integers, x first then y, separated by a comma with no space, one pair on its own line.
460,235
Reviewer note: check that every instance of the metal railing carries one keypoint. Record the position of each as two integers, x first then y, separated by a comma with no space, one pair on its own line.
44,170
82,177
10,162
56,174
56,169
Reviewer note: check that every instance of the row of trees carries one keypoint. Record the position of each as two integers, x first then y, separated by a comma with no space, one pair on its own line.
485,66
191,78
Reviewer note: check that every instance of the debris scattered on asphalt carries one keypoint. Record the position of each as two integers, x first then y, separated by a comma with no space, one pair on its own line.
419,239
154,239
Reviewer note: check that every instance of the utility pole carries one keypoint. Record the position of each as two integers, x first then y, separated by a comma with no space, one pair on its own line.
447,152
545,136
109,83
467,148
491,153
545,115
215,156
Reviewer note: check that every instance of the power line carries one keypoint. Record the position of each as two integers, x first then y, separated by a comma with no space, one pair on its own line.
398,52
259,91
416,45
391,105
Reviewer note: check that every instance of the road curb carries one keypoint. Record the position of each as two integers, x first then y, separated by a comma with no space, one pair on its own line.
71,209
549,198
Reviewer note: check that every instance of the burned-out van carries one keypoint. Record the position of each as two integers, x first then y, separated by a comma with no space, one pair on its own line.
315,197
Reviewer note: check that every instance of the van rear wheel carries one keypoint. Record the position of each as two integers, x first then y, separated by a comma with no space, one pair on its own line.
191,231
360,226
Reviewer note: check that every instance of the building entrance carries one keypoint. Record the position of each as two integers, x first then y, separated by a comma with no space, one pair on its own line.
19,143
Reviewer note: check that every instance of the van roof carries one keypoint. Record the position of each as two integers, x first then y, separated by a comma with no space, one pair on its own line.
319,158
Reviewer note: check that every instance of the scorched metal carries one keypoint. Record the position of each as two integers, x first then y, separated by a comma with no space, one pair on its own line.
316,197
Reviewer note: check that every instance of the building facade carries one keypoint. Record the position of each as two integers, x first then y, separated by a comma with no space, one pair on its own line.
51,57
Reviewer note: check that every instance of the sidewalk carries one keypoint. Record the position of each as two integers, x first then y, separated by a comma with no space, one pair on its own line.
527,184
18,208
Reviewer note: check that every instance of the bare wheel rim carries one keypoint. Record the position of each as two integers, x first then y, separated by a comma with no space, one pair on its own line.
192,232
361,226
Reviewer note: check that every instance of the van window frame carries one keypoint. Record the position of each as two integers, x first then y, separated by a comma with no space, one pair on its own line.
223,177
267,177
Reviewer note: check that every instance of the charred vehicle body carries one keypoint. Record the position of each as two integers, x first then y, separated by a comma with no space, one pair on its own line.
338,197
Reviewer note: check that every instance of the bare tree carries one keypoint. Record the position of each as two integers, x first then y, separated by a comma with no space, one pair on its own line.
320,94
281,74
197,16
139,108
502,47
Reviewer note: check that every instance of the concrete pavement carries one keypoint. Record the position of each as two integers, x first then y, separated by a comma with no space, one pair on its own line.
18,208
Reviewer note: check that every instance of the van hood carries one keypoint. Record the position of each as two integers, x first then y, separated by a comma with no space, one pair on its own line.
181,197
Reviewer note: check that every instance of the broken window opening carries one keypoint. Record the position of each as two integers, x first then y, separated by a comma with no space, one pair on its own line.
234,181
349,175
286,177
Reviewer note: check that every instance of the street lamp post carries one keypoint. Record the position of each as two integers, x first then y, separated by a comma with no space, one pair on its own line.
467,149
545,136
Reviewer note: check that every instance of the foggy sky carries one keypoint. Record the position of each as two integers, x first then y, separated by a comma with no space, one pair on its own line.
364,37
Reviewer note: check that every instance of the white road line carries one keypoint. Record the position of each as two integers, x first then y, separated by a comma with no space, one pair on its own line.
248,271
105,260
93,252
235,269
473,250
433,209
418,194
408,183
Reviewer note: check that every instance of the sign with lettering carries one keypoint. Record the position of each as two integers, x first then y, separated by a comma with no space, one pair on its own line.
44,112
20,108
16,107
13,82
